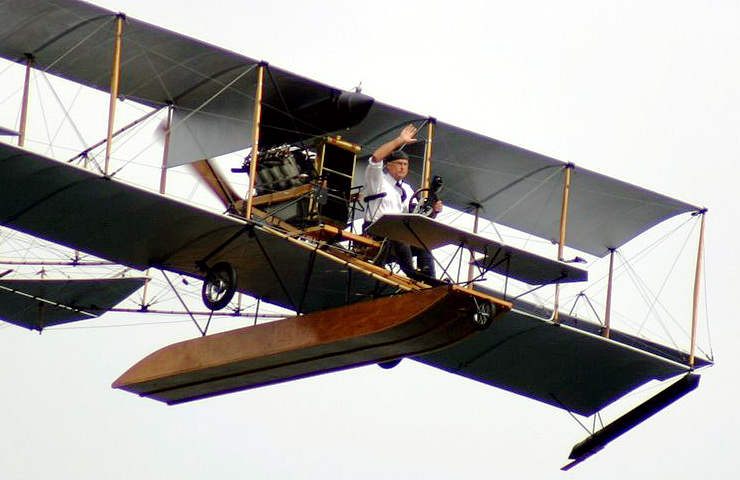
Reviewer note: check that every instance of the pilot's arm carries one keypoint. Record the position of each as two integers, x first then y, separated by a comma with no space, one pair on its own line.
406,136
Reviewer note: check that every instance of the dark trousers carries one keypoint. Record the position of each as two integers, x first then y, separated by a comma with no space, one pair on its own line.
403,254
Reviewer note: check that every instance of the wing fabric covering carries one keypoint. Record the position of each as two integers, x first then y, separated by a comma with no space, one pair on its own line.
212,92
109,219
567,365
556,364
36,304
523,189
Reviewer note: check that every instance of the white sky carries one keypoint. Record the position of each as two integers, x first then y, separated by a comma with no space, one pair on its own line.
643,91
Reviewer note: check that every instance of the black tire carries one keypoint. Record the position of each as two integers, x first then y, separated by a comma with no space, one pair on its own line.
483,315
219,286
390,363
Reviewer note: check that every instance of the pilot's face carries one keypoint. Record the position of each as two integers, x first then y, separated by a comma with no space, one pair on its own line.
398,169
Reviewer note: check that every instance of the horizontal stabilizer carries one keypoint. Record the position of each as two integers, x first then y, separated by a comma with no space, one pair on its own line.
36,304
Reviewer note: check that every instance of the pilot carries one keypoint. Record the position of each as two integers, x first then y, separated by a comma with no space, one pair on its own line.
386,192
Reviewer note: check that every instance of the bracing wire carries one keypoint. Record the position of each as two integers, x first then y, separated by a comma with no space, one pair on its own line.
46,124
13,93
524,197
542,209
646,295
665,280
636,257
75,46
65,110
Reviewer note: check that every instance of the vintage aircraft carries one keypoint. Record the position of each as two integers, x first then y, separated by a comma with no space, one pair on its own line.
288,240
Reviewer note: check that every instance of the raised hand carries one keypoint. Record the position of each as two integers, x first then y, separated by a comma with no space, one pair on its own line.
408,133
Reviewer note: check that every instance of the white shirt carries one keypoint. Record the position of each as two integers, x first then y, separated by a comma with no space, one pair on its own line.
376,181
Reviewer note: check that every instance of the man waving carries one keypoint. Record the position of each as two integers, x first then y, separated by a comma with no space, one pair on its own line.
386,192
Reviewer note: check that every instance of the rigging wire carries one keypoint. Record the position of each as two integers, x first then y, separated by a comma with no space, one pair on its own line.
665,280
646,295
184,119
13,94
146,54
202,332
495,229
544,206
285,104
637,257
65,110
524,197
128,136
46,123
75,46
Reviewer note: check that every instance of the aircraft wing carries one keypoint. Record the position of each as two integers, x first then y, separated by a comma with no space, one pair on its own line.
211,89
104,217
426,233
212,92
520,188
567,365
37,304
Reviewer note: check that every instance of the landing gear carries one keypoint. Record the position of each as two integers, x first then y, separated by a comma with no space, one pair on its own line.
219,286
483,315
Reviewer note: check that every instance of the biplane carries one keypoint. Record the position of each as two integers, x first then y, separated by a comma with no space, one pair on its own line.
289,238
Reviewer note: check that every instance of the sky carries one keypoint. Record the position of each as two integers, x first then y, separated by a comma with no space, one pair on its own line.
642,91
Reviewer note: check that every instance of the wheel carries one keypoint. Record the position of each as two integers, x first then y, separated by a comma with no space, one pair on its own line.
219,286
483,315
390,363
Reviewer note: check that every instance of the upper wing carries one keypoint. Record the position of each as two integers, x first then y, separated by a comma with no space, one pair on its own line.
523,189
212,91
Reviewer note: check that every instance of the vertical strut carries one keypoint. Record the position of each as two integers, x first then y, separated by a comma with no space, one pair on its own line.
472,256
146,288
166,152
24,104
115,80
608,313
561,241
697,287
427,169
564,211
255,137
